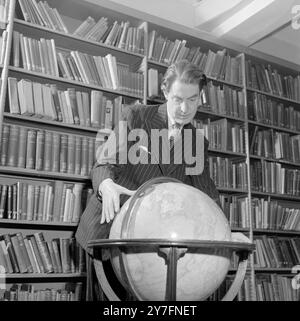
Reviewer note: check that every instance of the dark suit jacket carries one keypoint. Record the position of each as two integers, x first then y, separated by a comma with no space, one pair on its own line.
132,176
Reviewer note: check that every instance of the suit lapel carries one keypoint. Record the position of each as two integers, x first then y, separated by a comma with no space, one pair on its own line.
184,146
157,120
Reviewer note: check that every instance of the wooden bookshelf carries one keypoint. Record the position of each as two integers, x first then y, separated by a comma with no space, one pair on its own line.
46,276
277,232
75,128
39,223
213,116
42,174
277,196
281,129
284,99
281,161
282,271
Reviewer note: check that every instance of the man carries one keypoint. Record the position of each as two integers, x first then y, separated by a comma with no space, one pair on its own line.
114,181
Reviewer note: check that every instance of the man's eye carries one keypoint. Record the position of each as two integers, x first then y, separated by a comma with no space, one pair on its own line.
177,100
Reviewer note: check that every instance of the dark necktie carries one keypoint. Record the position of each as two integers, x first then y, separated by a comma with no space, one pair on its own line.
174,133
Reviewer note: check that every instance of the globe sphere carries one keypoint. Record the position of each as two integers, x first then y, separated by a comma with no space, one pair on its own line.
178,212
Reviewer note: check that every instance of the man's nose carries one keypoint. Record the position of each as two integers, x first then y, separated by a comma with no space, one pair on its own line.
184,107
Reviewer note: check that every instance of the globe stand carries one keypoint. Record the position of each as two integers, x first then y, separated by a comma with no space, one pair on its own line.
172,251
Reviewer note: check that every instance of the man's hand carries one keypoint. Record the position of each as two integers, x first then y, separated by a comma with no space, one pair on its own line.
111,192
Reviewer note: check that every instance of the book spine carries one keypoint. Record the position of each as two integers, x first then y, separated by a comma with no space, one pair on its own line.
44,251
24,253
37,253
11,252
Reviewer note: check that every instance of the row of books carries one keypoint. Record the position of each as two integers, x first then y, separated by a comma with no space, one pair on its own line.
42,14
271,177
29,292
268,79
49,202
34,254
46,101
42,150
224,100
214,64
275,215
236,210
120,35
222,134
227,173
276,252
34,55
275,145
100,71
274,287
269,287
43,56
271,112
4,10
3,42
244,294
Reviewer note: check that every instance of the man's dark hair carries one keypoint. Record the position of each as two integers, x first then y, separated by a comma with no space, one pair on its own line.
184,71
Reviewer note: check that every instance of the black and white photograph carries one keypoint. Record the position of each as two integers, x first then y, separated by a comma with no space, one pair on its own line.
149,156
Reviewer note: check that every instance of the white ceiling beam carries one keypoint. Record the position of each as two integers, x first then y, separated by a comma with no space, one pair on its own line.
238,18
207,10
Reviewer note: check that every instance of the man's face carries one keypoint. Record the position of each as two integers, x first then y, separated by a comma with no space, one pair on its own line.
182,101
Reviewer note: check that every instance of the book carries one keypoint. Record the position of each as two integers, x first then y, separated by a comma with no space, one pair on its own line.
44,251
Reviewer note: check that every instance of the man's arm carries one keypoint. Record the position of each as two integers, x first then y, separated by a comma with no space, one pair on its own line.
108,154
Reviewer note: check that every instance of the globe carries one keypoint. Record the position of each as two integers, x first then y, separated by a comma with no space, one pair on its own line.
178,212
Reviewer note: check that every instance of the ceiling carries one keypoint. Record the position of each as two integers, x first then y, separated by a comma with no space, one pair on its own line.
270,26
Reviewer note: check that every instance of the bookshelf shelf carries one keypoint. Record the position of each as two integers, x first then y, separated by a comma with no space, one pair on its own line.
32,119
281,161
31,172
39,223
44,275
274,270
157,63
282,129
228,153
71,82
278,232
231,84
156,100
76,39
232,190
284,99
277,196
202,111
239,229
